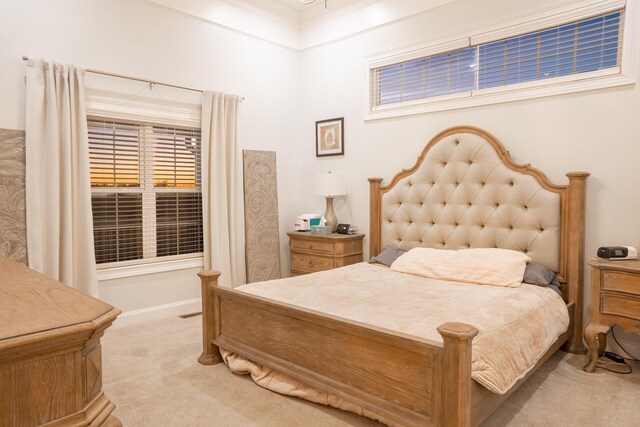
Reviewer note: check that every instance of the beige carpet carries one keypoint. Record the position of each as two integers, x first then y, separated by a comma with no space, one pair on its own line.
151,374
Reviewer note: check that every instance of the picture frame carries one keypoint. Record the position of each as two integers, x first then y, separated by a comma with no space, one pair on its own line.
330,137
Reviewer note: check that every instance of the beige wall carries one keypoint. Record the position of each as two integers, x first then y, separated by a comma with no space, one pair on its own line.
594,131
137,38
287,91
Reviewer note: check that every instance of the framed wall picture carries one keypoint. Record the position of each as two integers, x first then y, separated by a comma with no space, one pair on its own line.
330,137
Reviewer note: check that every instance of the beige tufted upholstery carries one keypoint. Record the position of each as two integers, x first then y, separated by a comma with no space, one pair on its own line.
464,196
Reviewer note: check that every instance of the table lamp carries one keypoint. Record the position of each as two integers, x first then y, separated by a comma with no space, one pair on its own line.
330,184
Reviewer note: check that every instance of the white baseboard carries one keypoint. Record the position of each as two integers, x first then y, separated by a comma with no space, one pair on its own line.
158,312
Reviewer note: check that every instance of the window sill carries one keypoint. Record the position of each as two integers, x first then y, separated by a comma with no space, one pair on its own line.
111,273
519,92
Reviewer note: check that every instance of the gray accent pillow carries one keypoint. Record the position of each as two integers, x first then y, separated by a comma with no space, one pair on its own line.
539,275
387,256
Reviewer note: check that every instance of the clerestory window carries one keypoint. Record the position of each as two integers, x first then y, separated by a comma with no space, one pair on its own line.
502,65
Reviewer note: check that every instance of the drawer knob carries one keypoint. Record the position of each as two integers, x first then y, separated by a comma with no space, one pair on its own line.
310,246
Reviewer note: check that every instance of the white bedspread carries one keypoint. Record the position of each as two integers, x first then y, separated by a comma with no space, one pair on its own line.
517,325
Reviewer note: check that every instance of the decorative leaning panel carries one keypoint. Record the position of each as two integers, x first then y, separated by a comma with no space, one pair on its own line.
261,215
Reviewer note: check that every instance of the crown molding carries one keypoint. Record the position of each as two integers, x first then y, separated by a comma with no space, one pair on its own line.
279,23
237,16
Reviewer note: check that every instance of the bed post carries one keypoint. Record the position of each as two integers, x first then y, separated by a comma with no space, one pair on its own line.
456,374
210,318
374,216
575,223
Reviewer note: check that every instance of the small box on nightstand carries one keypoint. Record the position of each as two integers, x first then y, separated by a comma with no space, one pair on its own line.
321,230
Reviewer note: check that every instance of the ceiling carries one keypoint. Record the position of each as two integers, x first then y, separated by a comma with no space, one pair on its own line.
302,9
295,4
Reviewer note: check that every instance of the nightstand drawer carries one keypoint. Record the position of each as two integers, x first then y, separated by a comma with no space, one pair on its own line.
349,247
620,306
621,281
315,246
310,263
311,253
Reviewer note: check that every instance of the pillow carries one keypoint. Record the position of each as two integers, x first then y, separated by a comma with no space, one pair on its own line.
484,266
539,275
388,255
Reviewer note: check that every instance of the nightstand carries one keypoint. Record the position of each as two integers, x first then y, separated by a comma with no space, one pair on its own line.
315,252
615,299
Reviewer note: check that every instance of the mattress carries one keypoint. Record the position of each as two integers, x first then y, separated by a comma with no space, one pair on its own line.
516,325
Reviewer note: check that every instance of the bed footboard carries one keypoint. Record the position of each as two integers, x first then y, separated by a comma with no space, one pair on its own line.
403,379
210,306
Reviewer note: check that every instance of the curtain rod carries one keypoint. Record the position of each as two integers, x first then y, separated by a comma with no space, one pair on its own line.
151,82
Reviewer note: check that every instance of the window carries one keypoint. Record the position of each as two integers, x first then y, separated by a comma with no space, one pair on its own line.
146,192
434,75
580,47
566,55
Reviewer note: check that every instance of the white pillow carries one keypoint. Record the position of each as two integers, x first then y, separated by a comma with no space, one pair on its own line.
484,266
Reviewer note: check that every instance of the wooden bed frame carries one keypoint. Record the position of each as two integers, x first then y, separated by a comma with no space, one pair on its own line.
404,379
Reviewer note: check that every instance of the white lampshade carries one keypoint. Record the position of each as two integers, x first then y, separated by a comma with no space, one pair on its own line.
330,184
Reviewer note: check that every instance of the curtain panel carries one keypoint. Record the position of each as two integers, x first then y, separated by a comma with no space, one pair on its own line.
58,192
222,194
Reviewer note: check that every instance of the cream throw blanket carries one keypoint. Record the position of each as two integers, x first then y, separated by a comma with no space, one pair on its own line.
517,325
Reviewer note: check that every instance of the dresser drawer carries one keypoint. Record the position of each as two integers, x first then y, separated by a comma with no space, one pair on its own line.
621,281
349,247
310,263
620,306
348,260
315,246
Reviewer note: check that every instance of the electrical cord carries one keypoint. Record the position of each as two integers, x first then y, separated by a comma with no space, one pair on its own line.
626,372
616,359
631,356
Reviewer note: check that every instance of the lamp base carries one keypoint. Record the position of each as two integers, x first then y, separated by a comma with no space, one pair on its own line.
330,216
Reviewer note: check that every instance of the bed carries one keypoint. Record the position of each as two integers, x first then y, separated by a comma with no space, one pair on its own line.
463,192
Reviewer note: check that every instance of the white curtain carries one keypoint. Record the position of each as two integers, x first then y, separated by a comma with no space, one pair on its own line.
222,194
58,192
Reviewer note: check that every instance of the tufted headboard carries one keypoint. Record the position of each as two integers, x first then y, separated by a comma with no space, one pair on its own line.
465,192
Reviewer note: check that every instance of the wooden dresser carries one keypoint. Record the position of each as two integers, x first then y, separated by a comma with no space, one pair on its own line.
314,252
615,299
50,355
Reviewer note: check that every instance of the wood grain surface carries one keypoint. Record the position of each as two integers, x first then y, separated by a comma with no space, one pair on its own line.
30,302
314,252
50,354
408,381
615,300
385,371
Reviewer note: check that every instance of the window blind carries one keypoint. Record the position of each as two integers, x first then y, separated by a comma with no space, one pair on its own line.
587,45
146,192
579,47
434,75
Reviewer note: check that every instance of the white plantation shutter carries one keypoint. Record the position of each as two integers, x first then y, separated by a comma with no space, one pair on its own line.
570,49
146,190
